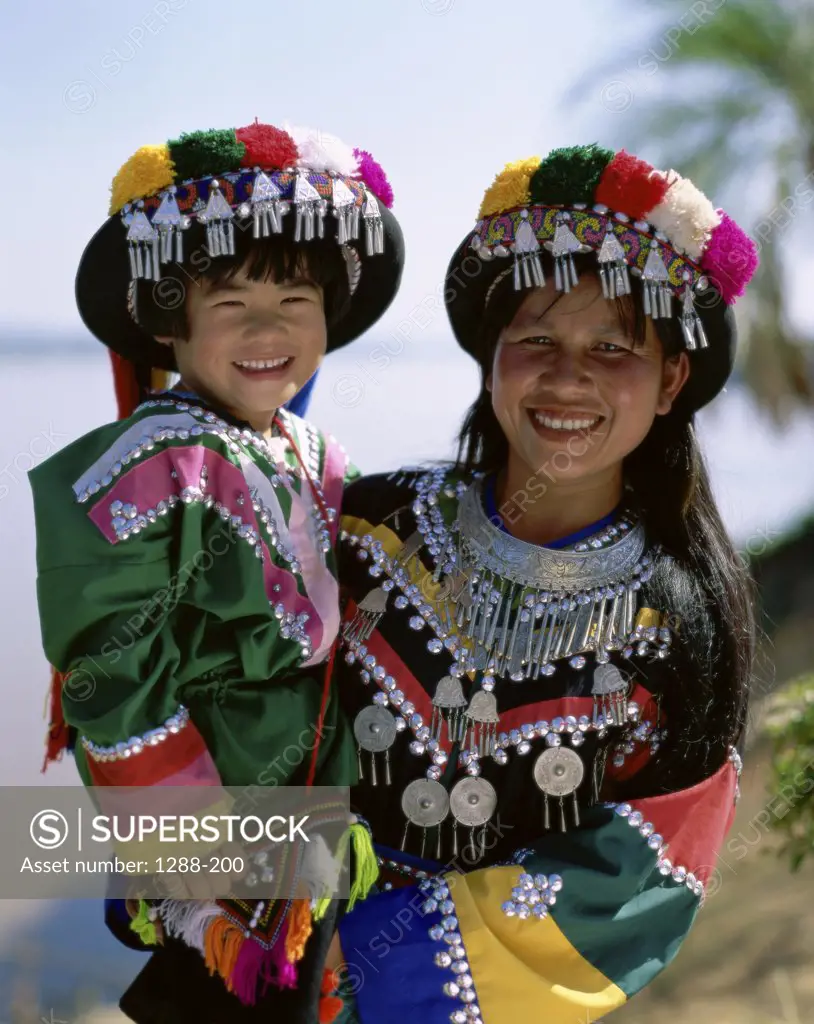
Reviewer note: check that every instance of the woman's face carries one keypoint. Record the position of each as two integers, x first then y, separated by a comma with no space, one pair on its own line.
571,391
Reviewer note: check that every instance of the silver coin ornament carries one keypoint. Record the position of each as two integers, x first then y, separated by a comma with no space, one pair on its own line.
473,801
559,771
375,729
425,803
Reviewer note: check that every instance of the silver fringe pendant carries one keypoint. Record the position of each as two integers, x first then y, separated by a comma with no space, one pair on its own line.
170,223
344,203
218,217
267,210
558,773
472,802
657,297
425,804
308,204
374,226
613,269
375,731
447,707
528,267
610,692
691,325
141,240
368,613
563,247
481,720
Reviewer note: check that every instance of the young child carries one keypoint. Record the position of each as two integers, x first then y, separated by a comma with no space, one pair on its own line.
186,573
549,642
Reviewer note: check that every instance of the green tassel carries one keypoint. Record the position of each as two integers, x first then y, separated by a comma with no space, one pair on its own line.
198,154
143,926
320,908
569,175
367,869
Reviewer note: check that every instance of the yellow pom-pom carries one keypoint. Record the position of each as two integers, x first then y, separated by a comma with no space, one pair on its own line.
510,188
148,170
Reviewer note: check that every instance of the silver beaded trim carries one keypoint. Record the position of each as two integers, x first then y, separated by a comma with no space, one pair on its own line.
136,744
453,959
570,728
647,831
533,896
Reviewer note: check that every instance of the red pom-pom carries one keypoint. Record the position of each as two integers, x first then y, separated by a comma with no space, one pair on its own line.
630,185
267,146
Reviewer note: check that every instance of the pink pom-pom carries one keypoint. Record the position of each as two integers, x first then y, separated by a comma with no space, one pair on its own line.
371,173
730,259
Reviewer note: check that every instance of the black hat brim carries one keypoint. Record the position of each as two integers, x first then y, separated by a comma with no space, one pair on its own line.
467,285
103,279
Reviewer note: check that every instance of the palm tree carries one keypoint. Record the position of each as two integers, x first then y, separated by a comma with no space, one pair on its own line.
737,116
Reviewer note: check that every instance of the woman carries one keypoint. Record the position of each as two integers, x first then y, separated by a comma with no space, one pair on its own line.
548,644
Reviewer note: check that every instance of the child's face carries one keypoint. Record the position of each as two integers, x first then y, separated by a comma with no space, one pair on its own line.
572,393
236,325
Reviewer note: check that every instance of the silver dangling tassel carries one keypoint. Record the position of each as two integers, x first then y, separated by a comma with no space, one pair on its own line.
169,222
691,325
359,764
374,226
217,213
373,780
438,844
306,203
528,268
563,247
613,269
368,613
576,811
656,293
404,837
140,236
546,814
454,837
481,715
267,210
447,703
388,781
343,203
562,816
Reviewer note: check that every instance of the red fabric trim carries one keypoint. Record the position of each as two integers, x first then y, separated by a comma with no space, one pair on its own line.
156,766
695,821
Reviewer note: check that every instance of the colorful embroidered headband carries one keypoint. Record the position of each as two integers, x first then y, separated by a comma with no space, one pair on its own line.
257,174
637,219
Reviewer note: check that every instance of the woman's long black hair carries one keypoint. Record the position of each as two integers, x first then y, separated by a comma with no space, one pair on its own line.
704,581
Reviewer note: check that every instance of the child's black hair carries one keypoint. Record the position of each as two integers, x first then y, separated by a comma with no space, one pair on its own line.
704,582
161,308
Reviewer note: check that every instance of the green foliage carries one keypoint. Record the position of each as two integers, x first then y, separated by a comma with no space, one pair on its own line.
791,727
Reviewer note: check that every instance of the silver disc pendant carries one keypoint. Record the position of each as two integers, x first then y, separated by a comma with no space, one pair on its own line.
559,771
473,801
375,729
425,803
608,679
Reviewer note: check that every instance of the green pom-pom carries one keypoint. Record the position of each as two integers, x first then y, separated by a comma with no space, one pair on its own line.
198,154
569,175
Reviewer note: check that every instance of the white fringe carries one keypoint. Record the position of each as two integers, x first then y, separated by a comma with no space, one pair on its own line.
320,869
188,919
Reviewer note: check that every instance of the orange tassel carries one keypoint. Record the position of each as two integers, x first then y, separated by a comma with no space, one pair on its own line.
222,944
300,927
57,739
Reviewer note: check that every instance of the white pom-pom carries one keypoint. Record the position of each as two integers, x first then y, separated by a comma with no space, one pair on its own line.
686,216
320,151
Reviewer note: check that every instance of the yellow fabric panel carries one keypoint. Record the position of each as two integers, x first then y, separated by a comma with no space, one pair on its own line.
418,573
524,966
